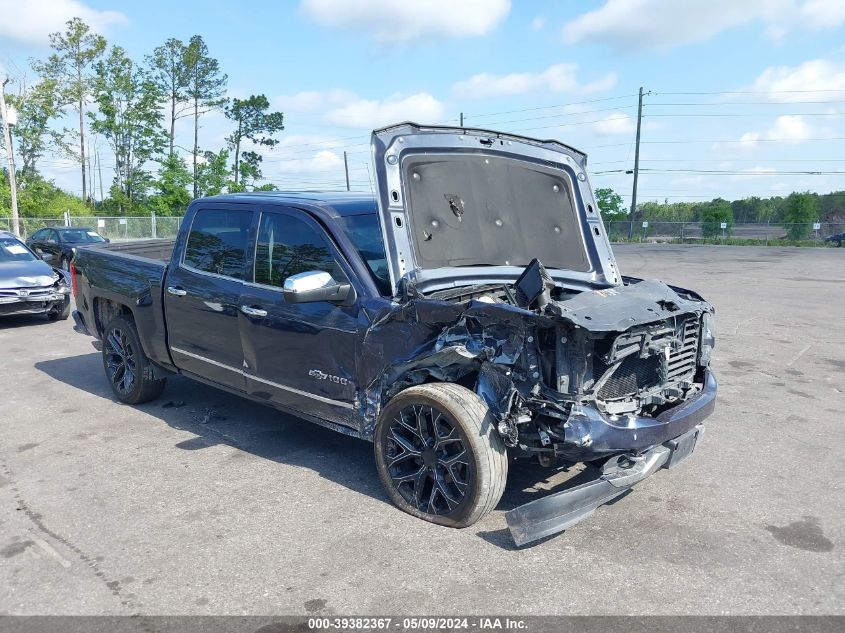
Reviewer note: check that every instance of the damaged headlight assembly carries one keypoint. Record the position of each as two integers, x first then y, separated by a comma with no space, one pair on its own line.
708,338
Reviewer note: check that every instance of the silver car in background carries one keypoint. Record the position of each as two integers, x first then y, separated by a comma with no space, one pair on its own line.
29,285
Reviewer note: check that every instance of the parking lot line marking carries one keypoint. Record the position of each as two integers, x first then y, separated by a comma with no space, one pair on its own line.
800,354
50,551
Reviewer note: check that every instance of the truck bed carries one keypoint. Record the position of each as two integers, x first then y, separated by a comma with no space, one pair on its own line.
159,250
127,273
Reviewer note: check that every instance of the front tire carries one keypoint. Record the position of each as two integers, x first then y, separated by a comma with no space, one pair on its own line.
439,455
128,369
60,313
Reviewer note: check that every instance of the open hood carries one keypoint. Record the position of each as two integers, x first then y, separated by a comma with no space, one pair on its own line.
464,206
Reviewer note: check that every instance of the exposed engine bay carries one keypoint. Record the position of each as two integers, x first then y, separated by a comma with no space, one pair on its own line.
569,374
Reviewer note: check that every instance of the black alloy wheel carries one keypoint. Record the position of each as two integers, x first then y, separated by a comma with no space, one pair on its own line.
439,456
132,376
121,361
427,460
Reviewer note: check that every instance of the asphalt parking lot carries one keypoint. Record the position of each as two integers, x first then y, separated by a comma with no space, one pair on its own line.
203,503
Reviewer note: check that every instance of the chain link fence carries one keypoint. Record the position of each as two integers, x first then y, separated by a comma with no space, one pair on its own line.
129,228
812,233
117,229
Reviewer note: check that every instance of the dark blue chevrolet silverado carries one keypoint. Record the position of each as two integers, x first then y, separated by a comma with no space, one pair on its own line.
468,314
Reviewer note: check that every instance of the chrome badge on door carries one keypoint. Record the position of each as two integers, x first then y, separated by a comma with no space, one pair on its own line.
321,375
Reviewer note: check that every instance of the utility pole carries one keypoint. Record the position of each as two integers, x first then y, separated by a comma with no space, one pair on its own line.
93,196
636,164
462,119
10,157
100,174
346,169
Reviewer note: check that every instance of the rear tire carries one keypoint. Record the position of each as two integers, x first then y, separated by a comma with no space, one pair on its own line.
439,455
129,371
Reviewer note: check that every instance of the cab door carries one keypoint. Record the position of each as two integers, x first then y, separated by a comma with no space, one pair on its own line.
202,295
298,355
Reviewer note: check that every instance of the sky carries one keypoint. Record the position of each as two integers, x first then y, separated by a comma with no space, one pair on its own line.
742,97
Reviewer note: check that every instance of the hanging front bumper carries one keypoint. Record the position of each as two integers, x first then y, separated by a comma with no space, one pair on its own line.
557,512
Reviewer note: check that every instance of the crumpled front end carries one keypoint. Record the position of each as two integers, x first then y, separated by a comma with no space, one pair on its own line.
569,375
33,295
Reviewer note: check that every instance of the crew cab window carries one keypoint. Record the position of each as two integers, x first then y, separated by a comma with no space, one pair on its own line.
287,246
217,242
365,233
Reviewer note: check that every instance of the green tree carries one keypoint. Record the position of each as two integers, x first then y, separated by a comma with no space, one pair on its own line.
610,204
172,196
713,215
212,173
801,211
76,51
170,70
40,198
37,106
129,118
206,91
255,124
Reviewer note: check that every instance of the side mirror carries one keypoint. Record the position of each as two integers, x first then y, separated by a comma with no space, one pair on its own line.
316,285
106,240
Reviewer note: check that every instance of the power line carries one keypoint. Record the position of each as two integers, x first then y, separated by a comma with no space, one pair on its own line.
742,141
752,92
722,172
738,114
549,107
735,103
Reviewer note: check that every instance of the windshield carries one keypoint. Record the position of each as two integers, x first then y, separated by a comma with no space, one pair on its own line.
11,250
81,235
365,233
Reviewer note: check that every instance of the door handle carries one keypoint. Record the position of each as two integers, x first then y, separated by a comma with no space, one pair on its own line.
176,290
253,312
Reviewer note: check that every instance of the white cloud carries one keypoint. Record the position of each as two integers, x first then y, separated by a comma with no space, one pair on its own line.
616,123
538,23
783,82
367,113
405,20
791,128
32,21
658,24
313,101
556,78
823,13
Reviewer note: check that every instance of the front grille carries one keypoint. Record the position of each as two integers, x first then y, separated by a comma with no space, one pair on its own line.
635,373
681,363
632,375
32,291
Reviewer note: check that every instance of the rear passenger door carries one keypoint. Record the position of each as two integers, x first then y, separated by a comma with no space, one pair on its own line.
298,355
202,295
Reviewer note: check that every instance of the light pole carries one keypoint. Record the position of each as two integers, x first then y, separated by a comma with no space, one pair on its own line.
10,156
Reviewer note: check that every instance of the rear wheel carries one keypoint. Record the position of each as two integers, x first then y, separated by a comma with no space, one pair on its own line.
439,456
128,369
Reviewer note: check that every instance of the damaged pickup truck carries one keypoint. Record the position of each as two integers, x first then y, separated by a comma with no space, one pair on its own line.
469,314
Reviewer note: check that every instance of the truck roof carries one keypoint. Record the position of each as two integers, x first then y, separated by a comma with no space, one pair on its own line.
338,203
